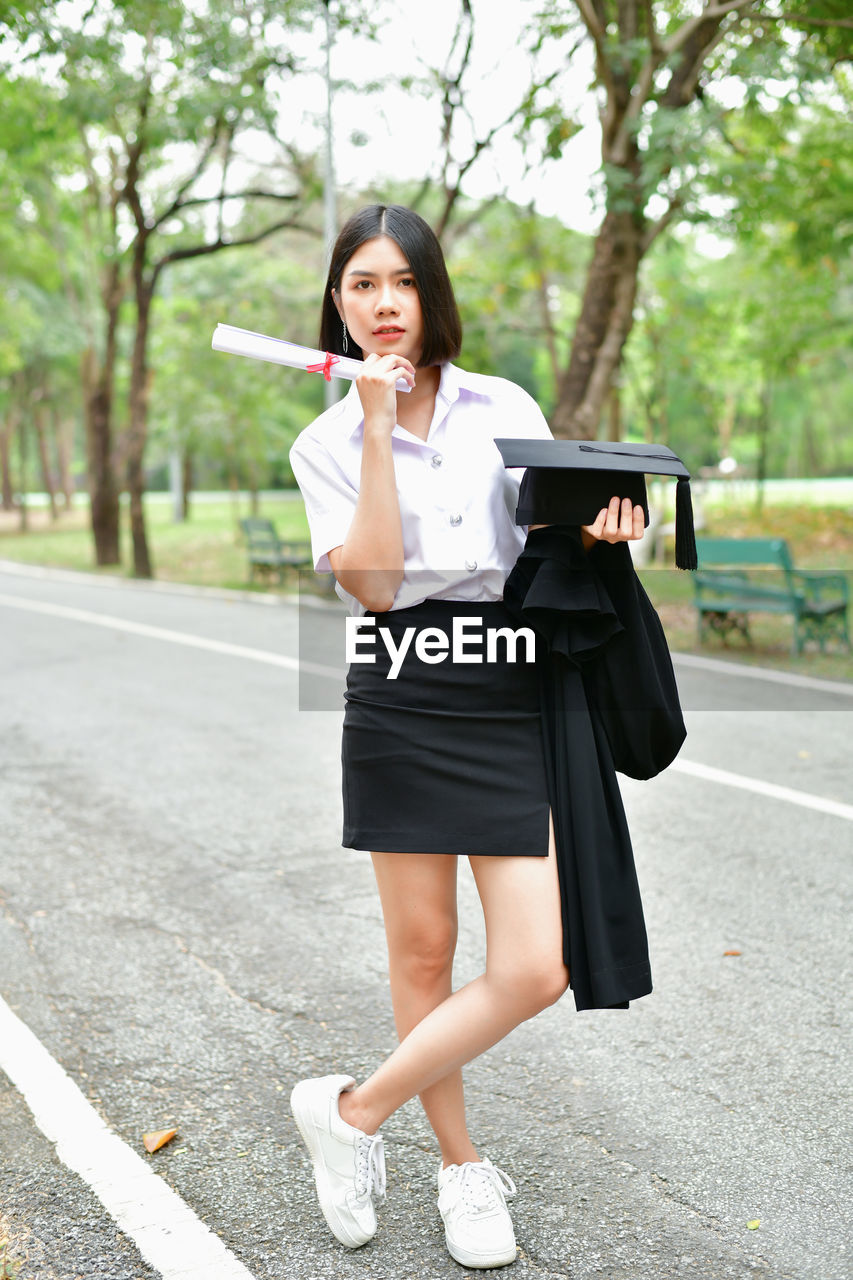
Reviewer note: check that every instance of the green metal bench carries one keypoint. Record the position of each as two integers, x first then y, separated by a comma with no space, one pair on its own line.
267,552
739,576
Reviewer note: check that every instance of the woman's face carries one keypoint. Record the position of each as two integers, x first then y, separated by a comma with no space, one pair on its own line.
379,301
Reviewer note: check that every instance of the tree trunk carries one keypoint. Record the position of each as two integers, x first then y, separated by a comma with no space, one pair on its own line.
63,431
727,425
99,380
44,458
607,314
176,484
764,419
188,479
23,509
8,495
633,67
103,490
234,493
138,429
614,414
535,251
254,494
813,462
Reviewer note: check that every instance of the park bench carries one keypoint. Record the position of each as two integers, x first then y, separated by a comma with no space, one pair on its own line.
739,576
268,553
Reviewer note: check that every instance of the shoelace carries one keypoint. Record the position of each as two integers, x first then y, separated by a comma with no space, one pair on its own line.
370,1167
484,1186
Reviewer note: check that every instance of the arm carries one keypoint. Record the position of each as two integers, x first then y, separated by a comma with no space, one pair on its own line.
369,563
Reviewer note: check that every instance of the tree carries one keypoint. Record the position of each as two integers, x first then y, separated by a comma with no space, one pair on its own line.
517,277
237,419
39,335
662,70
744,355
166,99
795,239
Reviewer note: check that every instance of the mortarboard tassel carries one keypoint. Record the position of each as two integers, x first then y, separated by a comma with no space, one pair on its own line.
685,540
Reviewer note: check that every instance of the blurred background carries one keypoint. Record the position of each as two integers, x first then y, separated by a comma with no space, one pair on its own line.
647,209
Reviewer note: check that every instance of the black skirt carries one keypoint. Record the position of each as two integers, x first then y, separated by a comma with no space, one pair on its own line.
447,757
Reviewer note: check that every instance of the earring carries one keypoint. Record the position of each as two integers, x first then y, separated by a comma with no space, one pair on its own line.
344,323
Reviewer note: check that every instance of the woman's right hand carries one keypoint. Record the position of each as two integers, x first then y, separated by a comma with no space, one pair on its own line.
619,522
377,389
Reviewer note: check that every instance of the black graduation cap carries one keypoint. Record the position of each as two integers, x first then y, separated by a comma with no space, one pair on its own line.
569,481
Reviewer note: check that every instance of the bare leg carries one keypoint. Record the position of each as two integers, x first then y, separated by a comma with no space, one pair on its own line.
524,973
418,895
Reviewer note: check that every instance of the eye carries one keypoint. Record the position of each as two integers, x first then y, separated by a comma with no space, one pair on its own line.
408,281
365,283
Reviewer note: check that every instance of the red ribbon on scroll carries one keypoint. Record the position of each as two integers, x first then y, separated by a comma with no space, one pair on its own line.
325,368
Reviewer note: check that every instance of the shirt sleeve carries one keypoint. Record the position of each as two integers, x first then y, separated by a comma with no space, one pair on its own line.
530,420
329,498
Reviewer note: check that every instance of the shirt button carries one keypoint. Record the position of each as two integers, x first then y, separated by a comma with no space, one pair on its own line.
455,519
436,460
470,565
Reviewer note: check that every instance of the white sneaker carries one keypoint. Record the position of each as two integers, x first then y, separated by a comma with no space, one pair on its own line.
477,1226
349,1166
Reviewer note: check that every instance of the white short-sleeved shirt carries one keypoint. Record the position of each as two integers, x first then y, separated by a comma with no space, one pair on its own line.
457,501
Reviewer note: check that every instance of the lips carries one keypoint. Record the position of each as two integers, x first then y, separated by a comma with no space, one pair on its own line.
388,332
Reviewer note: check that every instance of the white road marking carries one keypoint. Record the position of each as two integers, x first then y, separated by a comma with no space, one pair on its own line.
772,789
737,670
743,671
170,1237
722,776
174,637
165,1230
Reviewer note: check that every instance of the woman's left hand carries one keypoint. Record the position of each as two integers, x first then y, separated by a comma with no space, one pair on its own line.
618,522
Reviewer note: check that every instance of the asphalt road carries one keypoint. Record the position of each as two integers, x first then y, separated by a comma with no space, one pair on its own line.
182,931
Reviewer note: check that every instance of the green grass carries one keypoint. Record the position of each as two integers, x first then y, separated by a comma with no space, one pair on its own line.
9,1267
208,551
819,538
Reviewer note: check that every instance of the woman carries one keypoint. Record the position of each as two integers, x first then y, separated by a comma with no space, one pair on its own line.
410,506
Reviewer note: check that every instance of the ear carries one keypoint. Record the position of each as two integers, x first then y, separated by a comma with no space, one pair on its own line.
337,303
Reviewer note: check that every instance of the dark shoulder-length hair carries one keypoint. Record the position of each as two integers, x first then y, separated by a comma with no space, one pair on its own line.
417,240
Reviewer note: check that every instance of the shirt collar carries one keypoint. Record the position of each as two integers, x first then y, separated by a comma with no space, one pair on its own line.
452,383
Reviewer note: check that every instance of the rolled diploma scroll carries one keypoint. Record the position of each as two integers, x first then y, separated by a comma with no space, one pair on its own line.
257,346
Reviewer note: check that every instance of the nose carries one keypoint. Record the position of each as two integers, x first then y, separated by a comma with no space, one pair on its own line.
385,298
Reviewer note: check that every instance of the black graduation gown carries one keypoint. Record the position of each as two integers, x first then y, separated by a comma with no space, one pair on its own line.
609,701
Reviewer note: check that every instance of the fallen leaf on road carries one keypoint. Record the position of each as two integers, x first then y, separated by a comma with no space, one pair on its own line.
754,1224
731,953
154,1141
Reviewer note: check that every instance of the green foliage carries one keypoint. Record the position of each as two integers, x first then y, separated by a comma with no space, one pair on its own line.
759,57
718,341
509,268
761,157
237,418
786,174
827,25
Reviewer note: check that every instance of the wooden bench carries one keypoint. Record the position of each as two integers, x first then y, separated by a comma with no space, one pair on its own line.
267,552
739,576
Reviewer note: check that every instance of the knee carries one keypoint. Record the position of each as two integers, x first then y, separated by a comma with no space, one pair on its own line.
423,955
554,984
536,982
